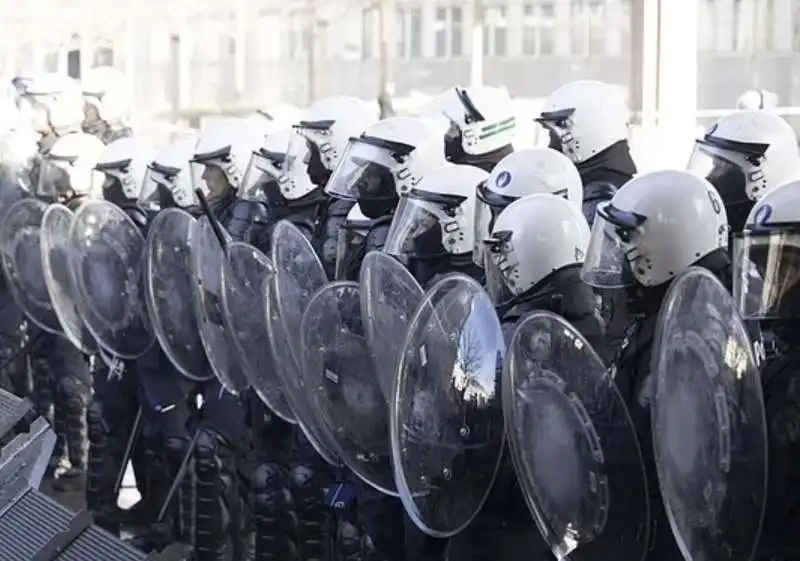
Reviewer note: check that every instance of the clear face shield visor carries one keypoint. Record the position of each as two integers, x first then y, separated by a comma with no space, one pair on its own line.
209,176
120,183
721,171
488,206
612,248
767,274
415,231
364,172
500,264
298,153
55,179
160,190
263,172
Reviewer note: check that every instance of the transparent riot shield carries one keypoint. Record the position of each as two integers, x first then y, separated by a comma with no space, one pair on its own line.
106,260
573,444
709,428
244,276
389,296
55,241
340,378
207,257
446,417
168,283
20,249
298,275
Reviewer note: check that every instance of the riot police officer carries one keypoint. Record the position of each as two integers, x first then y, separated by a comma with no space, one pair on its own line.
654,228
481,124
522,173
744,155
379,166
432,229
588,122
766,290
108,95
55,105
222,455
315,147
66,175
533,258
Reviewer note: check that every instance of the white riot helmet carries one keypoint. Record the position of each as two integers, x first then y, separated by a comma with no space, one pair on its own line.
522,173
584,118
106,90
387,160
57,103
168,181
435,218
482,120
223,153
744,155
532,238
264,176
319,139
282,114
655,227
68,169
757,99
767,261
124,163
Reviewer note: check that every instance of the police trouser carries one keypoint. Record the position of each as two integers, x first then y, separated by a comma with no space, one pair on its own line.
221,525
14,374
270,499
310,476
61,378
110,418
383,518
166,439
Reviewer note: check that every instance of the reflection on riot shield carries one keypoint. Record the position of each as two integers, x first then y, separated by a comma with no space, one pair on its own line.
20,247
446,417
298,275
389,296
168,281
244,276
207,256
573,444
709,428
56,223
340,378
106,261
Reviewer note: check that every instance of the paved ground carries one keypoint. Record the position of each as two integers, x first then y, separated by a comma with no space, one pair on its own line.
75,501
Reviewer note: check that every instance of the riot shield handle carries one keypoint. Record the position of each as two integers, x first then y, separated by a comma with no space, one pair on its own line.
212,220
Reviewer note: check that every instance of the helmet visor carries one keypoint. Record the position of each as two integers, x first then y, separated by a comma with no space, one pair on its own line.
766,282
607,263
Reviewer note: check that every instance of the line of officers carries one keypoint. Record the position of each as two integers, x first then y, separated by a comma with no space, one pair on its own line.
570,229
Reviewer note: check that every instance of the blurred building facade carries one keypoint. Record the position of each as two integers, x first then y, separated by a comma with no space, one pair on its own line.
224,55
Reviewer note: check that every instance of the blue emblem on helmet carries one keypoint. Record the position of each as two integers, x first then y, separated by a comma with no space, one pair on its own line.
763,214
502,180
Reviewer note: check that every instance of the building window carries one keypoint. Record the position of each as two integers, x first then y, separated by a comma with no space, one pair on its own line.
597,28
368,33
409,33
587,28
449,32
539,29
495,31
